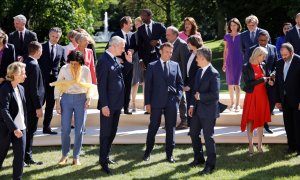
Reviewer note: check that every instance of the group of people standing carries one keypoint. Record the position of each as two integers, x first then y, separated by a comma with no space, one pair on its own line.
177,74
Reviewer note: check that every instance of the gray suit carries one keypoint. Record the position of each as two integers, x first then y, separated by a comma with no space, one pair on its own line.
180,55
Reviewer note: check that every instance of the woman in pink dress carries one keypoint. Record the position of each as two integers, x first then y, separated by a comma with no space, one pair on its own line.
190,28
82,40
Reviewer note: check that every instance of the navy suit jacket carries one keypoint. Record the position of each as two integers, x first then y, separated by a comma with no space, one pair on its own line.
110,83
9,107
246,42
127,66
47,65
292,36
291,85
144,47
190,77
158,88
272,58
33,85
209,87
28,37
180,55
8,57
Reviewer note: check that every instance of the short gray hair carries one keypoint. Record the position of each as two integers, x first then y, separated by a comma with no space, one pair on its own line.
205,52
13,69
21,18
55,29
174,30
115,41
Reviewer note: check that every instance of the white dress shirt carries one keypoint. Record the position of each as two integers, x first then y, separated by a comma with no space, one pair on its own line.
65,74
20,118
54,50
286,67
67,49
204,69
162,64
190,61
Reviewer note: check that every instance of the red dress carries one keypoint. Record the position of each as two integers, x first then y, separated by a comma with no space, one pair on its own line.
256,104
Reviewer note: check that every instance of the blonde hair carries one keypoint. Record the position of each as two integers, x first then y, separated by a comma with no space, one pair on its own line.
89,38
80,37
258,52
13,69
251,18
139,19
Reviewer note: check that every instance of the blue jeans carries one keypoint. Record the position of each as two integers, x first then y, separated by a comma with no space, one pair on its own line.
72,103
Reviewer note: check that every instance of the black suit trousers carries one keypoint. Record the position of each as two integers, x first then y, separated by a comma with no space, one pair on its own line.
18,145
170,114
291,117
207,125
271,96
108,130
127,83
50,101
32,123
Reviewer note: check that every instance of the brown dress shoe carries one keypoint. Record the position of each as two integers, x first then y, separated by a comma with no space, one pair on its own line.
182,125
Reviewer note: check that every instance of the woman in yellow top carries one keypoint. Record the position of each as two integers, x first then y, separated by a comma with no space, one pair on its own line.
74,86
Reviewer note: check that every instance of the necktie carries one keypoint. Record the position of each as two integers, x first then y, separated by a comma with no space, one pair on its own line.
52,52
127,40
21,40
299,33
252,36
200,72
285,69
165,70
149,31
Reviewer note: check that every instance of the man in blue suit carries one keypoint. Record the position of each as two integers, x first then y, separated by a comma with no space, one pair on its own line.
271,59
249,37
163,92
204,110
293,35
34,93
111,96
50,62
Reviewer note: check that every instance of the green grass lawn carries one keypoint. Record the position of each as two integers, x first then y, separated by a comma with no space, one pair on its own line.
217,48
233,162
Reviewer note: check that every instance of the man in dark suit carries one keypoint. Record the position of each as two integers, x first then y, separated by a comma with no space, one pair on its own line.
150,35
293,35
34,93
287,94
51,60
21,37
124,32
204,110
7,56
180,55
163,91
270,61
249,37
111,96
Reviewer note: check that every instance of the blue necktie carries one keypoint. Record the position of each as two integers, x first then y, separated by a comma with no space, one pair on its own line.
165,70
252,36
149,31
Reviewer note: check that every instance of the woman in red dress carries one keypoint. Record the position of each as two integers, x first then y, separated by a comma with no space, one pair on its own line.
256,105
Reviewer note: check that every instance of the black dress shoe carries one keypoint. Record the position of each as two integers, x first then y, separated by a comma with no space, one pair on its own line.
106,169
146,157
207,170
196,163
127,112
146,112
111,162
32,162
171,159
269,130
48,131
290,151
